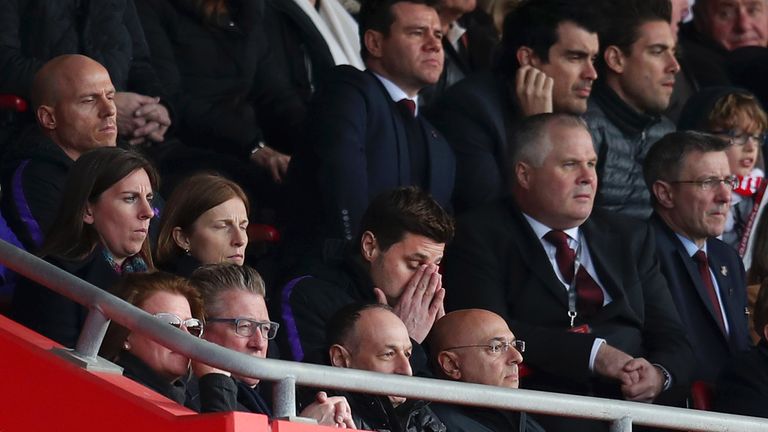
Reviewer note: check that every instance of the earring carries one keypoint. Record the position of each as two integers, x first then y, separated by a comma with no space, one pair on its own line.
186,251
126,346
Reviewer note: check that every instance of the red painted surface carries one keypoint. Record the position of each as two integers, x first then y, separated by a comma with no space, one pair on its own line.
41,392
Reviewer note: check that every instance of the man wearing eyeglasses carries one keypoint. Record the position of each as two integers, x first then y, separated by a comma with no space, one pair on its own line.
691,183
477,346
237,318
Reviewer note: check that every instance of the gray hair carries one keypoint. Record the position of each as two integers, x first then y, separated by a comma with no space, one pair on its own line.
214,279
530,141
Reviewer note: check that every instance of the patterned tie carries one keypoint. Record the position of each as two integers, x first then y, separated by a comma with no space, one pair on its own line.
589,295
407,106
703,262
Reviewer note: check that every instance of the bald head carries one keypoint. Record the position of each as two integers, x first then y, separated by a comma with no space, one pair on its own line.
461,346
73,98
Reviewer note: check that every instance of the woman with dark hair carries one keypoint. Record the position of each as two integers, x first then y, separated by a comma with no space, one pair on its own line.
100,232
204,222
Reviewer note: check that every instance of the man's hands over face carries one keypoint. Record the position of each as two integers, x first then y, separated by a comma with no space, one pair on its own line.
141,118
421,302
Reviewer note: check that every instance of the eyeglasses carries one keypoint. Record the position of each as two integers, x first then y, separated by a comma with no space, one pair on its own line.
497,346
741,139
247,327
193,325
711,182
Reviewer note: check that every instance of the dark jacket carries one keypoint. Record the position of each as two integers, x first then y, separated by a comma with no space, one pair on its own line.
53,315
34,31
477,419
743,385
32,178
622,138
477,117
376,413
220,73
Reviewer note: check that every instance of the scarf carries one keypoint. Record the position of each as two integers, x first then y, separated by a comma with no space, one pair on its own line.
339,30
132,264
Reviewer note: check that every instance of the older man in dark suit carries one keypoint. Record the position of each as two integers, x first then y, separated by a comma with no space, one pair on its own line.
582,289
365,134
691,182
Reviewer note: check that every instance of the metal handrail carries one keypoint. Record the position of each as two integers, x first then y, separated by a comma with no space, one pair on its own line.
287,374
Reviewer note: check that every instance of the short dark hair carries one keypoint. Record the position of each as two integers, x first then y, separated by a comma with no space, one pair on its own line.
93,173
534,24
665,158
342,324
214,279
377,15
391,215
626,17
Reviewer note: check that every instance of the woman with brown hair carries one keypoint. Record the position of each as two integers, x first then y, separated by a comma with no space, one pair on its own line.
204,222
100,232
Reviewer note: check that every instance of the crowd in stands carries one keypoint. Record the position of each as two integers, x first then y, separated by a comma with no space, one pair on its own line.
592,171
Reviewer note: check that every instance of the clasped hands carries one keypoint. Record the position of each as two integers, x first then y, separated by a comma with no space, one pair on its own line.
640,380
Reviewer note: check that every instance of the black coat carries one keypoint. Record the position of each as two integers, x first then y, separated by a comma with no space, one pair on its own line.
476,116
476,419
743,385
53,315
711,348
496,262
34,31
376,413
221,75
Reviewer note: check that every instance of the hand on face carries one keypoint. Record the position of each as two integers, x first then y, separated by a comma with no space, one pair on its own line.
534,90
421,303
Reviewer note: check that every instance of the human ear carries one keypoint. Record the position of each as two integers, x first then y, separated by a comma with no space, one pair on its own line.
339,356
88,215
180,238
369,246
373,43
663,193
46,117
449,364
614,59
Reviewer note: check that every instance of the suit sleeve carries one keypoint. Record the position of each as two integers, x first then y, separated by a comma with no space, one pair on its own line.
337,134
475,268
478,179
18,70
664,338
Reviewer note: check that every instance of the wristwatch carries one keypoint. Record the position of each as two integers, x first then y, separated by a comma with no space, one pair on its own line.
667,377
259,145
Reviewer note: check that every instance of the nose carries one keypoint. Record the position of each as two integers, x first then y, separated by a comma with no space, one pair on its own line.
589,72
145,210
723,193
433,42
751,144
514,356
587,174
239,237
403,365
258,341
673,66
742,21
107,106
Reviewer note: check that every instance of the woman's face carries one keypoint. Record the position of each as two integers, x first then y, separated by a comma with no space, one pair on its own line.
121,215
163,361
218,235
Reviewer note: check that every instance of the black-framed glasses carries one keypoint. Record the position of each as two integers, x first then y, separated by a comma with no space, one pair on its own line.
193,325
741,138
246,327
731,182
497,346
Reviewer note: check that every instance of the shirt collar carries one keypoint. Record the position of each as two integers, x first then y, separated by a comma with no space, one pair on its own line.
541,230
455,32
690,246
396,93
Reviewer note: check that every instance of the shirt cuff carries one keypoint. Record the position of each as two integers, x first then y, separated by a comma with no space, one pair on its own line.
593,355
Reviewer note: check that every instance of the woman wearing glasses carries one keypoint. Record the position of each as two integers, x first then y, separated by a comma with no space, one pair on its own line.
734,115
237,318
172,300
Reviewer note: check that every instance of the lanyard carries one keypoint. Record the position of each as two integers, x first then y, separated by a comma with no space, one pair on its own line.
572,314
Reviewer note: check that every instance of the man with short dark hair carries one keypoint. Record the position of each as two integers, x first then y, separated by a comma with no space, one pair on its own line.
395,262
477,346
73,103
638,68
545,65
365,133
690,178
573,283
371,337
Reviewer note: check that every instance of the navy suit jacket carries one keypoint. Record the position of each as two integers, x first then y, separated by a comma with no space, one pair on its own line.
711,347
356,148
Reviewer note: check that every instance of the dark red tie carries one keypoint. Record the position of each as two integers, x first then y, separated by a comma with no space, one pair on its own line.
407,106
589,295
703,262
